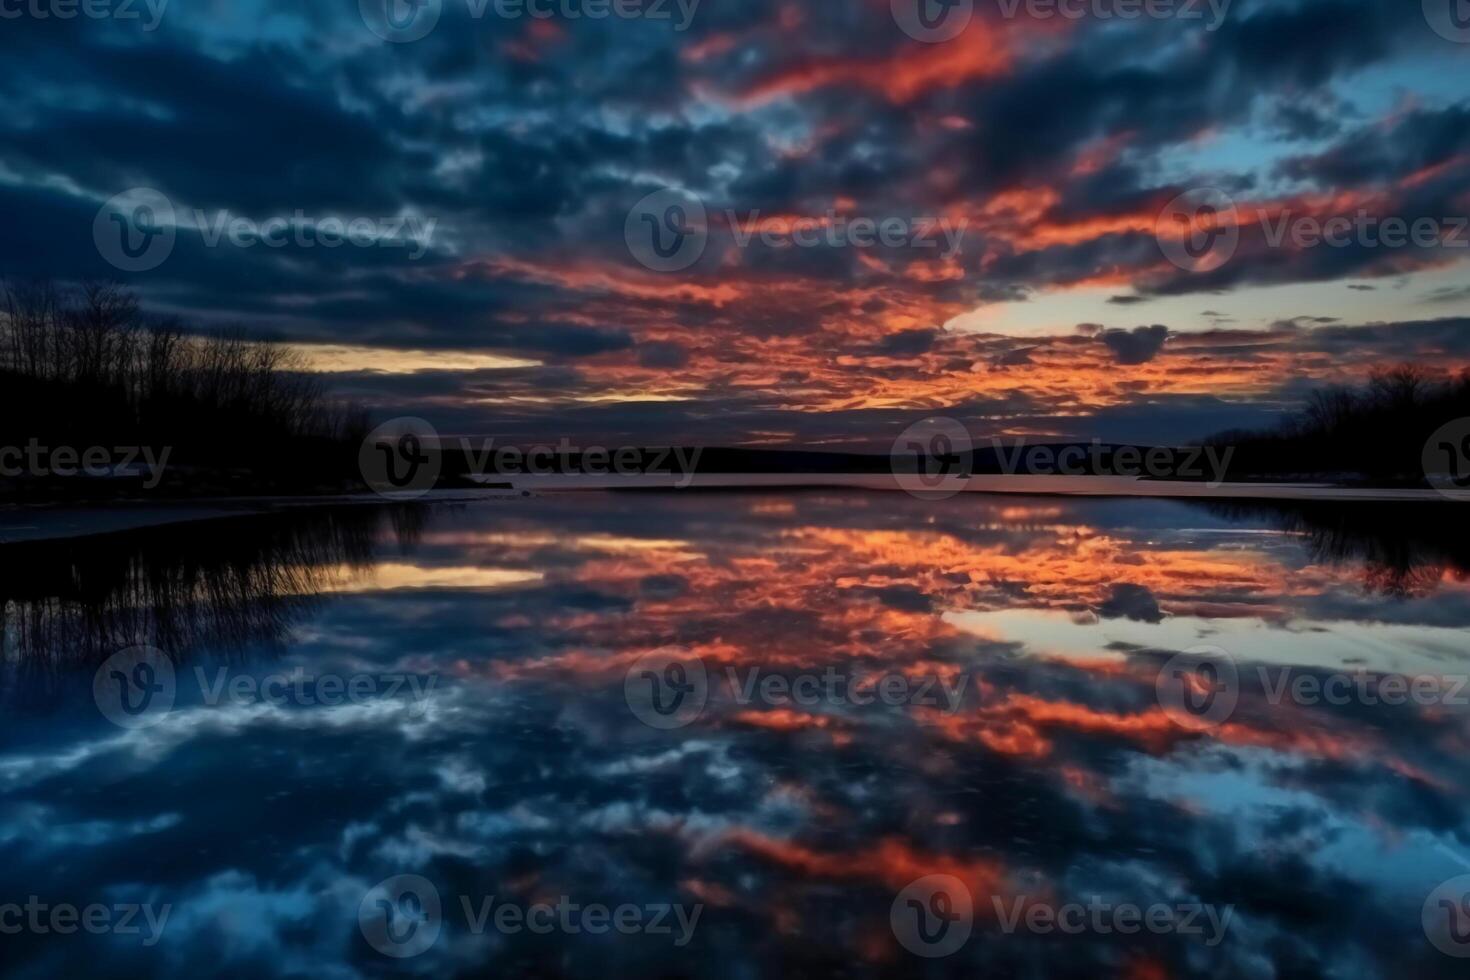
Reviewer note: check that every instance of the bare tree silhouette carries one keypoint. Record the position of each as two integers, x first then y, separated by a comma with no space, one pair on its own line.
85,367
1377,430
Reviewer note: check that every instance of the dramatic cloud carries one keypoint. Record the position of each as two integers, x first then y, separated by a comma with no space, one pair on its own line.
1137,346
889,228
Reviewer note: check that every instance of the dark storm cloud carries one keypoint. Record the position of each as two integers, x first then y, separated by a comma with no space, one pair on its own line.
1304,122
662,354
907,342
1394,341
1015,358
208,132
1209,81
1129,601
1419,140
1137,346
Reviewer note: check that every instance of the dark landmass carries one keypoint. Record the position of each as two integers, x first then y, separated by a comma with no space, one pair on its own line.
1376,433
99,401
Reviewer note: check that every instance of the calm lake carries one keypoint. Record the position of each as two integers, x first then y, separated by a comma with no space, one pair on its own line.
741,735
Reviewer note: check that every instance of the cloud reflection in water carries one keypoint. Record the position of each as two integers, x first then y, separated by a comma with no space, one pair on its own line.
1055,776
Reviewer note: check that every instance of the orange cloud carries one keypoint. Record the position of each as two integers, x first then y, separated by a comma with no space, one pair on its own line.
980,52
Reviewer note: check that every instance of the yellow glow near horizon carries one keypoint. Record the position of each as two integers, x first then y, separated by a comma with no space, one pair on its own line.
1054,312
337,358
391,576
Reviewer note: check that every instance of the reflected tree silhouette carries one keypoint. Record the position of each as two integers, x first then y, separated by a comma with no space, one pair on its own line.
223,584
1404,550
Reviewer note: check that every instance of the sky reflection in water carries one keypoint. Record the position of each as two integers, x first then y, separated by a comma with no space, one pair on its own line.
512,765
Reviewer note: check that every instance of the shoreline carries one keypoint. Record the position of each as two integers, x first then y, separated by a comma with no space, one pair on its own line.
999,484
46,522
20,523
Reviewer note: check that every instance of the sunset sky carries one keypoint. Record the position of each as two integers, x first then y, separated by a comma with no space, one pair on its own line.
519,149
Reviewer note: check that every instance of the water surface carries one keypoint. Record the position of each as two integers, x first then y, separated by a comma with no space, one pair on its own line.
504,737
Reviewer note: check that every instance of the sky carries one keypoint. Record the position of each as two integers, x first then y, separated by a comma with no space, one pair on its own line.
765,223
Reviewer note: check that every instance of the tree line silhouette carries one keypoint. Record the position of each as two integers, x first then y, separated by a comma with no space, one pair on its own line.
1377,430
86,367
221,588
